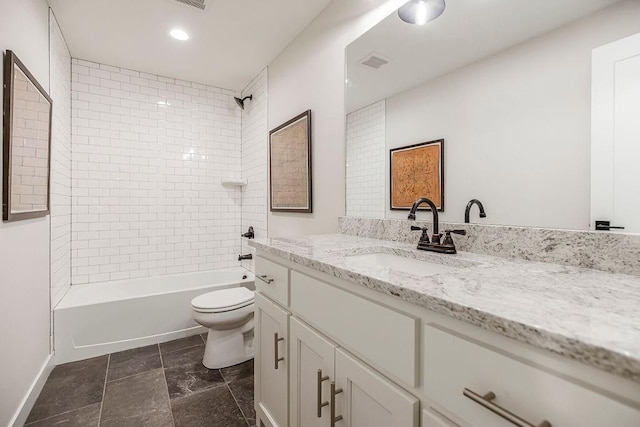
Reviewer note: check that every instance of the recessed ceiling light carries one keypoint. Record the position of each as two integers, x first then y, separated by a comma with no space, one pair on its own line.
179,34
421,11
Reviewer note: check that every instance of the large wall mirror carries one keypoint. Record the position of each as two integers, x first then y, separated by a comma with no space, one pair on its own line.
27,143
508,85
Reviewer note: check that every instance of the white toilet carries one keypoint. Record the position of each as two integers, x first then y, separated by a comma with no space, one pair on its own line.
228,314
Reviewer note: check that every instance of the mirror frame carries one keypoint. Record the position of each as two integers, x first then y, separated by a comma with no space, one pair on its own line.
10,62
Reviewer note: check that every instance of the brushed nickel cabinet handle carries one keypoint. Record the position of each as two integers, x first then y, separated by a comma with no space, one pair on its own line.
321,404
334,392
266,279
487,402
276,357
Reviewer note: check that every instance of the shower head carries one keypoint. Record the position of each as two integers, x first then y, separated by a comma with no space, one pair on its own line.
240,102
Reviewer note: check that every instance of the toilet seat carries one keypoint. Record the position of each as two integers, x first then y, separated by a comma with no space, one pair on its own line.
223,300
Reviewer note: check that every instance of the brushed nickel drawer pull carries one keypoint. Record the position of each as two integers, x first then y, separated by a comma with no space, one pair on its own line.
276,357
487,402
334,392
321,404
266,279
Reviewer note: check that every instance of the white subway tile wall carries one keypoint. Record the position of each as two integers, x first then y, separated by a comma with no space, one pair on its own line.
149,154
60,191
365,191
254,162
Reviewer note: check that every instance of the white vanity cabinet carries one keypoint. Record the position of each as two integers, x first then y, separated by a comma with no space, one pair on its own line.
355,357
271,362
312,370
459,374
329,387
431,418
367,399
305,379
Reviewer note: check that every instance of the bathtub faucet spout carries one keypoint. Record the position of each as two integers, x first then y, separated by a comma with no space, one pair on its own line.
244,257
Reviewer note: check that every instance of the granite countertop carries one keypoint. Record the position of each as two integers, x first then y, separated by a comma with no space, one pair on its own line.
586,315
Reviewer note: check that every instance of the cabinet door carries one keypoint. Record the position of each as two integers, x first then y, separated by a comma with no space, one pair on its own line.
431,418
312,370
368,399
271,362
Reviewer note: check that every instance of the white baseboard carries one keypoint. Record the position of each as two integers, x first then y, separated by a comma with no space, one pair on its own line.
29,399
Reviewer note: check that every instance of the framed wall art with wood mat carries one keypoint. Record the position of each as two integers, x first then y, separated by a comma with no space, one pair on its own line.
417,171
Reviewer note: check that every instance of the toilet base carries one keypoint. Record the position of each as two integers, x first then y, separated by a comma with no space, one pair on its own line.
228,348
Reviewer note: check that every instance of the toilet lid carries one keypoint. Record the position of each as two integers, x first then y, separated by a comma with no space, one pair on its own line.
224,299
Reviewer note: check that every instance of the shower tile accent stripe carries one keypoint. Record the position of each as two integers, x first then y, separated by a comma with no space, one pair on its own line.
149,156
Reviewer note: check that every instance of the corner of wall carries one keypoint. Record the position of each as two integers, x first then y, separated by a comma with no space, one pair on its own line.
60,191
254,161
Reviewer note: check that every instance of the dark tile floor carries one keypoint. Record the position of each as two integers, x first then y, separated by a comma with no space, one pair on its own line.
155,386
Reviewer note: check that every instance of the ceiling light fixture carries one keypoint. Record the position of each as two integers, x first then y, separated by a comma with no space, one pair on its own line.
420,12
179,34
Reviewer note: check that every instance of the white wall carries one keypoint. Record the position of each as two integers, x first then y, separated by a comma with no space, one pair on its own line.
254,162
60,163
24,245
309,74
516,125
149,157
365,161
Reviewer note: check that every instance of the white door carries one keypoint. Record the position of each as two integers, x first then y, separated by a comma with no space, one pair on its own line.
615,134
365,398
311,371
271,362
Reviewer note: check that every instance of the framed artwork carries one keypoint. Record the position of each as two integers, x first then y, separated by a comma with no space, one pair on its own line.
27,143
290,165
417,171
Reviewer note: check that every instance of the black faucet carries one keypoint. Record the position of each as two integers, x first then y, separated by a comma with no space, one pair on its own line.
245,257
434,210
249,234
447,246
469,205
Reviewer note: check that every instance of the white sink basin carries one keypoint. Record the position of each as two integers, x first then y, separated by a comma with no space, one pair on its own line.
413,266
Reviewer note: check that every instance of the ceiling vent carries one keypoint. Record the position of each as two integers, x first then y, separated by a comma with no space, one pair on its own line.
374,60
200,4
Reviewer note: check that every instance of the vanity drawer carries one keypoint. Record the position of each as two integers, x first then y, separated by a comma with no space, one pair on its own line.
453,366
384,337
273,280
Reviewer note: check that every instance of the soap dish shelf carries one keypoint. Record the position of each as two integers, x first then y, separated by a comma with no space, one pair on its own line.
234,182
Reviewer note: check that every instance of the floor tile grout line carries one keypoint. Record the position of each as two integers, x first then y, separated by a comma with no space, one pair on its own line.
237,404
222,375
180,349
138,373
104,389
135,375
61,413
166,385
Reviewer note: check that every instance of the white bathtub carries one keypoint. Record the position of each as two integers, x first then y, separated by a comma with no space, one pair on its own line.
101,318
